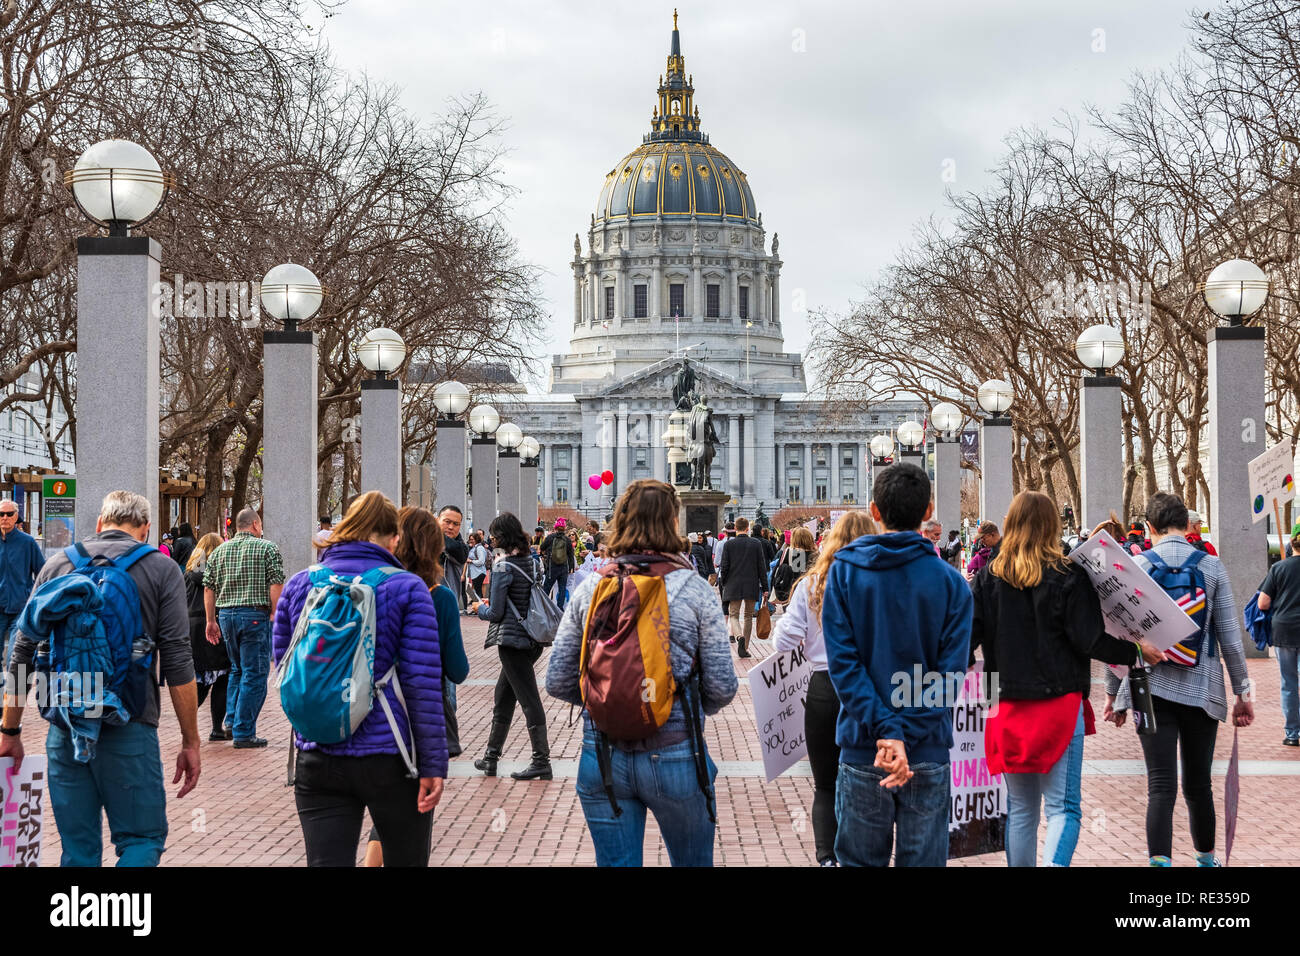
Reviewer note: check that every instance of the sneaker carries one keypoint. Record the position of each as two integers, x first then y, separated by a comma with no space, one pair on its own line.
1208,859
1291,741
248,742
829,861
221,733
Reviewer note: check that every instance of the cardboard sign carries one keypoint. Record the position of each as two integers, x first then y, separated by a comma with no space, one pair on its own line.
977,815
22,797
1134,606
1271,481
779,689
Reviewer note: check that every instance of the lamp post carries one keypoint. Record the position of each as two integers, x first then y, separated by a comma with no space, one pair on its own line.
119,185
1101,436
995,397
529,449
450,454
483,421
947,419
1236,290
509,437
912,437
291,294
381,351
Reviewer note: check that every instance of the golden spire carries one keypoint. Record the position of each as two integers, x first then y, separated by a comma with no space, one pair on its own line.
674,18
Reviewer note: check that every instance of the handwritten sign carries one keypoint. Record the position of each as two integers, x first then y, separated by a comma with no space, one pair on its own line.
1271,481
1134,606
977,816
779,689
22,796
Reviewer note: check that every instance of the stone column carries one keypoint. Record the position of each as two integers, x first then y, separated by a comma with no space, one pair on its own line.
118,394
577,290
528,495
289,393
620,291
734,452
995,463
833,456
776,296
658,454
483,466
381,437
759,290
765,466
656,288
607,441
750,485
778,471
697,289
508,489
592,431
623,468
548,474
450,458
1237,358
806,487
1101,450
947,484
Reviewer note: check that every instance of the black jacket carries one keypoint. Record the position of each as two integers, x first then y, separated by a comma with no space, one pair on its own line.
207,657
514,584
742,573
549,542
1039,641
703,556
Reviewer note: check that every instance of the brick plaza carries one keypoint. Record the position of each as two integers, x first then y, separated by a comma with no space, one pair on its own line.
242,814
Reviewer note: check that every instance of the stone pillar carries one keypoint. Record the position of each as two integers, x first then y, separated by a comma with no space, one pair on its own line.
381,437
548,474
765,486
697,289
750,485
118,394
289,394
1237,358
733,291
734,452
776,296
833,456
450,460
508,489
658,456
995,463
592,452
656,288
577,290
1101,450
807,491
620,291
947,484
758,291
622,468
483,467
528,495
607,438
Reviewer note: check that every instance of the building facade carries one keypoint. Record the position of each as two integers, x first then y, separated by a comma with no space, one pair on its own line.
677,266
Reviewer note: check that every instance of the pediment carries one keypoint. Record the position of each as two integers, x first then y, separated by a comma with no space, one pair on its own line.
657,380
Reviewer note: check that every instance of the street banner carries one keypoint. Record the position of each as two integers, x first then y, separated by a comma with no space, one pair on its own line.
1271,482
779,688
1134,606
22,795
977,813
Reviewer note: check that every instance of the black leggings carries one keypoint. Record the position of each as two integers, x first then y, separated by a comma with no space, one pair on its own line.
821,713
518,682
217,700
332,793
1195,730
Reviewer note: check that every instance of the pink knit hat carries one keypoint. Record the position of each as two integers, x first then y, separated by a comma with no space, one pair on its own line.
559,523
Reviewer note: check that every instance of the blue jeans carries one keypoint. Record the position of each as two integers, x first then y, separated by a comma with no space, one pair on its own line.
7,622
661,781
557,573
1059,789
1288,658
124,780
247,633
867,814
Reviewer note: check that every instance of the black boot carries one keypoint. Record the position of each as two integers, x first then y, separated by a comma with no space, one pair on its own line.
496,740
742,647
540,768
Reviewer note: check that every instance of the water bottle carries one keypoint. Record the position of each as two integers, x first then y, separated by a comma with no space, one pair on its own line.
1144,712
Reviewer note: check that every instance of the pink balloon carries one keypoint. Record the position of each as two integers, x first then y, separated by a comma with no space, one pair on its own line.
594,481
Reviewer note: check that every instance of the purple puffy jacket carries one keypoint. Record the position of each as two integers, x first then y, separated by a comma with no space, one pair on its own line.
406,629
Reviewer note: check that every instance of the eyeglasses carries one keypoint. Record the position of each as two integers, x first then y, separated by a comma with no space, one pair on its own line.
8,514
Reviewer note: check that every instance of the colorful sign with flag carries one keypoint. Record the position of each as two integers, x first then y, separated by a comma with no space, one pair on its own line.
1271,480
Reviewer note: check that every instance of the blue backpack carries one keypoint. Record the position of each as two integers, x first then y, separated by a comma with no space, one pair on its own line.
327,675
1186,585
92,650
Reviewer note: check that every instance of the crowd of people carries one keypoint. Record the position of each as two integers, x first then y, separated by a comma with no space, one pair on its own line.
880,594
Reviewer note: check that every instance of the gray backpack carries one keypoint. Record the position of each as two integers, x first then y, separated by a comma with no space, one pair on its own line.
543,618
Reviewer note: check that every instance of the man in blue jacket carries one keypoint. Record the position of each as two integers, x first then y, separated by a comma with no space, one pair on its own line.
896,620
20,561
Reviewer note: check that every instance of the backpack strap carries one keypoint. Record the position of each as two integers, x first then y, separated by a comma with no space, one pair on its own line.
134,555
78,555
408,756
378,574
1155,560
81,558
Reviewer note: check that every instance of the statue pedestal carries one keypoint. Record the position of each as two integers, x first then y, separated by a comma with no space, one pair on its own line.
701,510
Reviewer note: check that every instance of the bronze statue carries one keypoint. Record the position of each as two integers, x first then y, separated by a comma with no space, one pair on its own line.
684,386
702,447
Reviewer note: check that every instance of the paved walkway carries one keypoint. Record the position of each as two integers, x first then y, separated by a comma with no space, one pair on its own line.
241,814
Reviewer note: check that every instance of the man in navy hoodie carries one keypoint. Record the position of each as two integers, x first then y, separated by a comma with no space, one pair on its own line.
894,612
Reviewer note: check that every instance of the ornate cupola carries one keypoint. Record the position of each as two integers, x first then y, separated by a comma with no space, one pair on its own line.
676,118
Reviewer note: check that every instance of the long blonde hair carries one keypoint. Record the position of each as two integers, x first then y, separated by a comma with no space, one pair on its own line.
1031,541
850,526
199,556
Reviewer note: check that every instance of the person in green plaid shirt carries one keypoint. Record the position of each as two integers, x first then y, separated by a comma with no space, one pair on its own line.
240,589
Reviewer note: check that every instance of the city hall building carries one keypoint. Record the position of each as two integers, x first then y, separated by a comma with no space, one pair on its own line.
677,262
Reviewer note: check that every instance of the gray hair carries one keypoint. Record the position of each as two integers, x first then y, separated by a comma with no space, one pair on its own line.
125,508
246,519
932,523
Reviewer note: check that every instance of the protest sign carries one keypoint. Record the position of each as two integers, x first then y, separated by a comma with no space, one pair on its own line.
1271,482
977,815
779,689
1134,606
22,796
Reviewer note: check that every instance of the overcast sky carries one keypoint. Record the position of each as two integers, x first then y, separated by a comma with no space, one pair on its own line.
843,115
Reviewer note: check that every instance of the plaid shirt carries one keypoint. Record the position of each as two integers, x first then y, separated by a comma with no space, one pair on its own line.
242,571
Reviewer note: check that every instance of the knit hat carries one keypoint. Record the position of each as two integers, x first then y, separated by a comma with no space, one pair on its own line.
559,524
